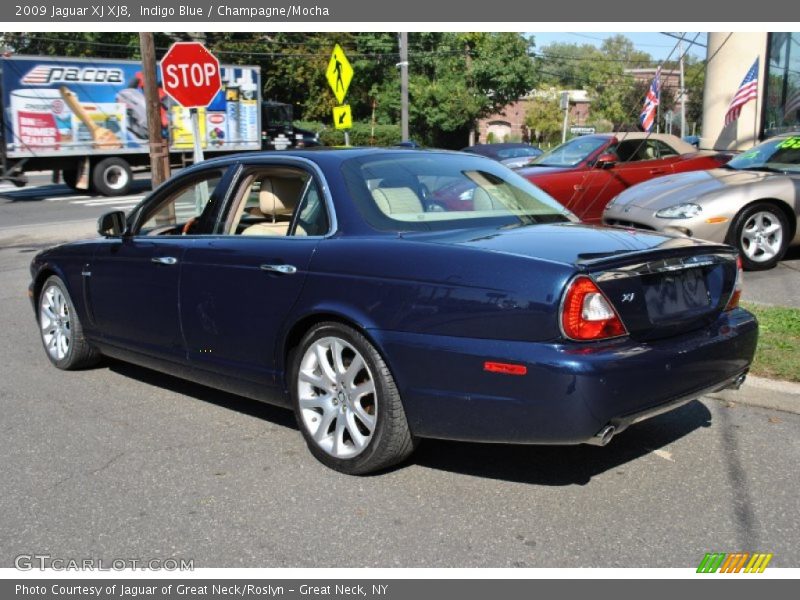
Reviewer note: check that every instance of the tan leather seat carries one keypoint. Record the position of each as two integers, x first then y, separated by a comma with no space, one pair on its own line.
277,200
482,201
396,200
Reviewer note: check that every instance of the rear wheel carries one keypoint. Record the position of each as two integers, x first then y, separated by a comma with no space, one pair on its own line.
346,402
761,234
112,177
61,330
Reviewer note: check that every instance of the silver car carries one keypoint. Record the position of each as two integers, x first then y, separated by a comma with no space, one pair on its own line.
752,203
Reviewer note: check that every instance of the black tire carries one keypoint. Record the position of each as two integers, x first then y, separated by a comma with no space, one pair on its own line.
758,260
112,177
79,353
391,441
70,177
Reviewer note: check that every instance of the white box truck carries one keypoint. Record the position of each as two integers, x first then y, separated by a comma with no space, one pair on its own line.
86,119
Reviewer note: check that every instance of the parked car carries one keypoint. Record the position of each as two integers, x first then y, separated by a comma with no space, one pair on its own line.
585,173
317,280
752,203
511,154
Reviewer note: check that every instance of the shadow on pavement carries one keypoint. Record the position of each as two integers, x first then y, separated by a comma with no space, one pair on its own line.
539,465
562,465
57,190
253,408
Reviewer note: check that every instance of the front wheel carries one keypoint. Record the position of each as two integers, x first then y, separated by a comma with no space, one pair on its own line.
61,330
761,234
346,402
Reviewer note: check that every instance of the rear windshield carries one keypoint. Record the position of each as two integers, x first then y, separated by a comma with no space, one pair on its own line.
436,191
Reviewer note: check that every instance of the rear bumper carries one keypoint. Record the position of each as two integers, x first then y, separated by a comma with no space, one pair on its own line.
570,391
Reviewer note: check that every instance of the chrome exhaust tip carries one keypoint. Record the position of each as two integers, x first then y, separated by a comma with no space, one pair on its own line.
737,383
602,437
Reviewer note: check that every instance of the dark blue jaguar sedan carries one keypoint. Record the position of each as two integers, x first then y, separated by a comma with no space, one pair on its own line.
330,282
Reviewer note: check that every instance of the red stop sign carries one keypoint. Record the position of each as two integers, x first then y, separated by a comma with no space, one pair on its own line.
190,74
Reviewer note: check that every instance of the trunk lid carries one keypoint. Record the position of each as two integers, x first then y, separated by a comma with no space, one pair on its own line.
660,285
662,296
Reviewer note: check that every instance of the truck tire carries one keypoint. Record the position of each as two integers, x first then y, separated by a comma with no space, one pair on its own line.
70,177
112,177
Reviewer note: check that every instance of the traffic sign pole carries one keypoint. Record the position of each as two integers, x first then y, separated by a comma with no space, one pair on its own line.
202,199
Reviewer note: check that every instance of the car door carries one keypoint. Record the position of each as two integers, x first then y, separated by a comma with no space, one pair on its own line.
238,287
134,279
639,160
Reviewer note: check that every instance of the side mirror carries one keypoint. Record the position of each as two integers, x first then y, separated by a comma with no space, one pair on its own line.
606,160
111,224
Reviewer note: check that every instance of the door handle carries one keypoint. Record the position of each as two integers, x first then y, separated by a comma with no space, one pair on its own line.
657,171
282,269
164,260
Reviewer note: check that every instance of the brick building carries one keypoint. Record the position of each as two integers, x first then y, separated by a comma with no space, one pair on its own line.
509,123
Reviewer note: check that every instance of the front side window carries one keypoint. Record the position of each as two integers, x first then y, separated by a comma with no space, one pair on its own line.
181,211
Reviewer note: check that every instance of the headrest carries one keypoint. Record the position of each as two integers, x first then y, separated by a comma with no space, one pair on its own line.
279,195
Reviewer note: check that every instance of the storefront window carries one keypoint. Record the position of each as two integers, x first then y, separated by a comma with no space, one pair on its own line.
782,102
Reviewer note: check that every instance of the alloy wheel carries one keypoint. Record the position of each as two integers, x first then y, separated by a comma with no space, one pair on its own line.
762,236
337,397
54,320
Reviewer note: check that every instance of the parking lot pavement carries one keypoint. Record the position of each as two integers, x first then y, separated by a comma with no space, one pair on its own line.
779,286
122,462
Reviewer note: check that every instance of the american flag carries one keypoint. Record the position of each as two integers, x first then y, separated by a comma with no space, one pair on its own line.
748,90
648,115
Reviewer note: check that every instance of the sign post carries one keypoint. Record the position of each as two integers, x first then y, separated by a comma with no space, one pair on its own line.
190,75
339,75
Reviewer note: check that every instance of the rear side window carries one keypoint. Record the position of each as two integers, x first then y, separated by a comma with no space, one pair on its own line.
419,192
278,201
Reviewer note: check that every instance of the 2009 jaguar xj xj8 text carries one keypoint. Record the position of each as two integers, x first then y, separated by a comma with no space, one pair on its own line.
331,282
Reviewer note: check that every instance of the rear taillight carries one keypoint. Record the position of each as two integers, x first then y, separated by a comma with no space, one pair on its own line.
737,286
586,313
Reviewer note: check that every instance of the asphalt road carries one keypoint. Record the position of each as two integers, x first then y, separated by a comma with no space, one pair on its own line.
122,462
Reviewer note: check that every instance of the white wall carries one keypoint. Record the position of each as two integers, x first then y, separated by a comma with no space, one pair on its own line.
729,56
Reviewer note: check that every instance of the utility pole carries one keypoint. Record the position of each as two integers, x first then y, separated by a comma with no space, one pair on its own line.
565,107
404,85
468,61
683,92
159,152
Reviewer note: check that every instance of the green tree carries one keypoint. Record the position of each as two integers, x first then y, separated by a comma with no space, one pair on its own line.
601,72
545,120
457,78
695,78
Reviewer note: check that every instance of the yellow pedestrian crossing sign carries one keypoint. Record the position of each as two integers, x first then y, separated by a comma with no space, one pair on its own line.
342,117
339,73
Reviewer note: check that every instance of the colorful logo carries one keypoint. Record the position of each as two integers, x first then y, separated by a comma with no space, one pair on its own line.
737,562
46,75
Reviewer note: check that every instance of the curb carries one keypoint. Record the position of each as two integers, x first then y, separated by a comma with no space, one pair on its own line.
766,393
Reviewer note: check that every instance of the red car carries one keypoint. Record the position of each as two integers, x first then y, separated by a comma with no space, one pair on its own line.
585,173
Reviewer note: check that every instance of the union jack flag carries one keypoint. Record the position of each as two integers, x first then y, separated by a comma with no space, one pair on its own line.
748,90
647,117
